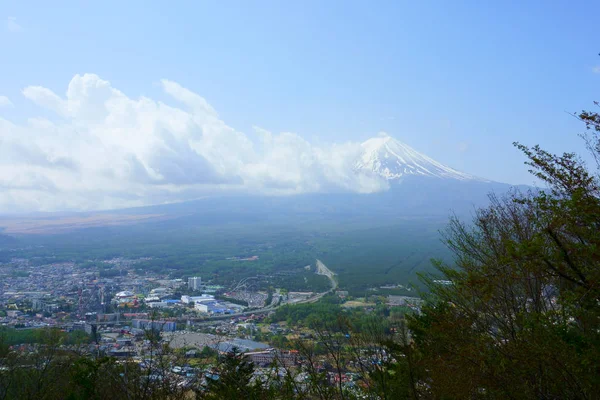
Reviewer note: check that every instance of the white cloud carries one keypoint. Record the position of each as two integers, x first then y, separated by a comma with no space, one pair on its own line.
5,102
596,69
189,98
46,98
12,25
106,150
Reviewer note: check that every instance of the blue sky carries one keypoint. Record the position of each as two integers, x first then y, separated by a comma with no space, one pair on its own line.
458,81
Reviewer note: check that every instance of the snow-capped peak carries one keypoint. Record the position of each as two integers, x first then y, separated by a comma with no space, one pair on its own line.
393,160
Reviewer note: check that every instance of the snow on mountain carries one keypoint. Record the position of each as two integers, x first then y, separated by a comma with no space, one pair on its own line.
393,160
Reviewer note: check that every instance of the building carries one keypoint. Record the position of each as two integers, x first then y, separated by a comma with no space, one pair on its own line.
201,307
194,283
269,357
159,304
121,353
212,307
165,326
197,299
40,305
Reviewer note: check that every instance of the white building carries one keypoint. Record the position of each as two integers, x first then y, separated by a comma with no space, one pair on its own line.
194,283
201,307
196,299
185,299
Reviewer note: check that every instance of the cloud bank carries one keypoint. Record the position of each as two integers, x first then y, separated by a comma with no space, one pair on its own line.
103,149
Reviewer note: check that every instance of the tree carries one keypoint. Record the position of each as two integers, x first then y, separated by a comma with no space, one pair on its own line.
233,379
521,318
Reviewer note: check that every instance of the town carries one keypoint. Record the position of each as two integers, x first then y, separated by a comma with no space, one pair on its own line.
114,312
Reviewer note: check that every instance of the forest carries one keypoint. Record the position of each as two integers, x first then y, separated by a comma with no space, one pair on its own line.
363,256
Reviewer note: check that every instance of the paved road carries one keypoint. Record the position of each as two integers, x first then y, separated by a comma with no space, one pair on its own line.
323,270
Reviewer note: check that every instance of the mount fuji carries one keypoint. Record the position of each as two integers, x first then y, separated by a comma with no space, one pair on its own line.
418,187
394,160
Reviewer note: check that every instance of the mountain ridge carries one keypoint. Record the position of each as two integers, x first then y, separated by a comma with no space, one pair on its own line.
393,160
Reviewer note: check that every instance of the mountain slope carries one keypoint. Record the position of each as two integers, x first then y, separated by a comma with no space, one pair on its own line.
394,160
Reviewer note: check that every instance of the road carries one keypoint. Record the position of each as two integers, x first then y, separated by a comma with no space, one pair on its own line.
321,270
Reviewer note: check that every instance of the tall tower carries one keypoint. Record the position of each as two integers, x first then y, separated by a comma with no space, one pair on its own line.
194,283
